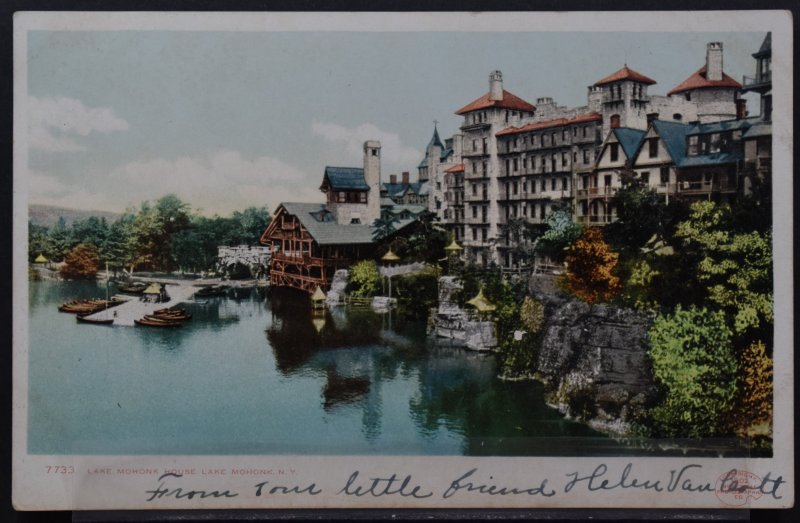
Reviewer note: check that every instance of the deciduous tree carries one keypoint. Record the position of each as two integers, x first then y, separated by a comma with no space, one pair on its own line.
81,263
590,268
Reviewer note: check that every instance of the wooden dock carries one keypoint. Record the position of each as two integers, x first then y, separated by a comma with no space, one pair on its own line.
134,309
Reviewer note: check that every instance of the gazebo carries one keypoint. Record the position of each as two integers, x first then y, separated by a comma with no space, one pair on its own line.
388,258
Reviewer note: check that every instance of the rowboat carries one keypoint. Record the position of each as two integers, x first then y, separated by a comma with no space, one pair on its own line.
172,314
145,322
84,318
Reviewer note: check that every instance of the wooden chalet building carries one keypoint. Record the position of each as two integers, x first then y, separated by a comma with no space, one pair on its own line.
311,241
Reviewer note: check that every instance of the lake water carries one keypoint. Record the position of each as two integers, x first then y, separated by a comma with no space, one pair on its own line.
255,373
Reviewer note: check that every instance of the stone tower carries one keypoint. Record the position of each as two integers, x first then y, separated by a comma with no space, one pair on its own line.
372,176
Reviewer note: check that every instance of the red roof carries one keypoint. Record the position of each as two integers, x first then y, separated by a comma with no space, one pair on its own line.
546,124
455,169
699,81
626,73
509,101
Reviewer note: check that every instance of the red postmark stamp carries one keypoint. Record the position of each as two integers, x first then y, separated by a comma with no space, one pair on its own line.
737,488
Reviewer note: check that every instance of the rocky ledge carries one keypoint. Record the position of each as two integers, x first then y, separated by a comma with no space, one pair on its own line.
594,363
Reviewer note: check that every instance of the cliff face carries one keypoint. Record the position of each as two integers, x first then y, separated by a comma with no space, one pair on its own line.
594,361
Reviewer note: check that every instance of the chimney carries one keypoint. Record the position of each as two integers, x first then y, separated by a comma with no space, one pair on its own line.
496,86
714,61
372,176
405,177
392,178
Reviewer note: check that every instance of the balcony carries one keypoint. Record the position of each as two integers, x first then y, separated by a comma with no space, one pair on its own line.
595,219
697,187
595,192
750,83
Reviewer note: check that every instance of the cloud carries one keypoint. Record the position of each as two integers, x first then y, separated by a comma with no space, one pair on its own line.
393,151
46,189
53,123
219,183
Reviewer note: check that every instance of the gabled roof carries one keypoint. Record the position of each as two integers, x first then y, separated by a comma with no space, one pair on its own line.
327,232
509,101
546,124
446,153
395,189
699,81
629,139
344,179
626,73
459,168
673,134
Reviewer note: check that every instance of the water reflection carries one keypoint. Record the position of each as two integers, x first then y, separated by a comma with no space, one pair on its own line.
453,392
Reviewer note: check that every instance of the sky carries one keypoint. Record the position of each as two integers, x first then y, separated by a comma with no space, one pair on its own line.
228,120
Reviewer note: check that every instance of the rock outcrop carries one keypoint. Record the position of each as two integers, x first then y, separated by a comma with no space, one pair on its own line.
594,363
338,285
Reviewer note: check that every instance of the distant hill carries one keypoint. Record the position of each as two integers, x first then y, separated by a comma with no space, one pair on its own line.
47,215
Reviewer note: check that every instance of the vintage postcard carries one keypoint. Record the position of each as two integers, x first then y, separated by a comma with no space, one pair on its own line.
439,260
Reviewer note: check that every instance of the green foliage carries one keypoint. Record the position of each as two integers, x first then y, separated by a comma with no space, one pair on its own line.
384,226
735,269
561,231
694,361
365,280
521,236
162,236
417,293
81,263
641,214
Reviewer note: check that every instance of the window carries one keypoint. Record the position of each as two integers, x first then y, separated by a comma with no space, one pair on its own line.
525,162
355,221
484,146
664,178
574,156
586,156
543,185
715,143
584,130
474,189
508,167
652,146
483,235
474,168
614,151
693,145
563,159
542,211
677,117
474,145
574,131
483,214
362,197
645,177
474,233
541,140
515,187
374,152
552,184
342,197
614,121
485,167
516,164
564,184
564,135
688,96
474,211
438,186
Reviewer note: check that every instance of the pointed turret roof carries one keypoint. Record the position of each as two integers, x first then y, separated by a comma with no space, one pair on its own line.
435,140
766,47
699,81
626,73
509,101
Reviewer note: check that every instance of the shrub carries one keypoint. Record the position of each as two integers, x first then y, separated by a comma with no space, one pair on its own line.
418,293
532,315
365,280
693,360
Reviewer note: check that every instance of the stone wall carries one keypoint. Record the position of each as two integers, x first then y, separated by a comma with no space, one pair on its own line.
594,363
452,322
